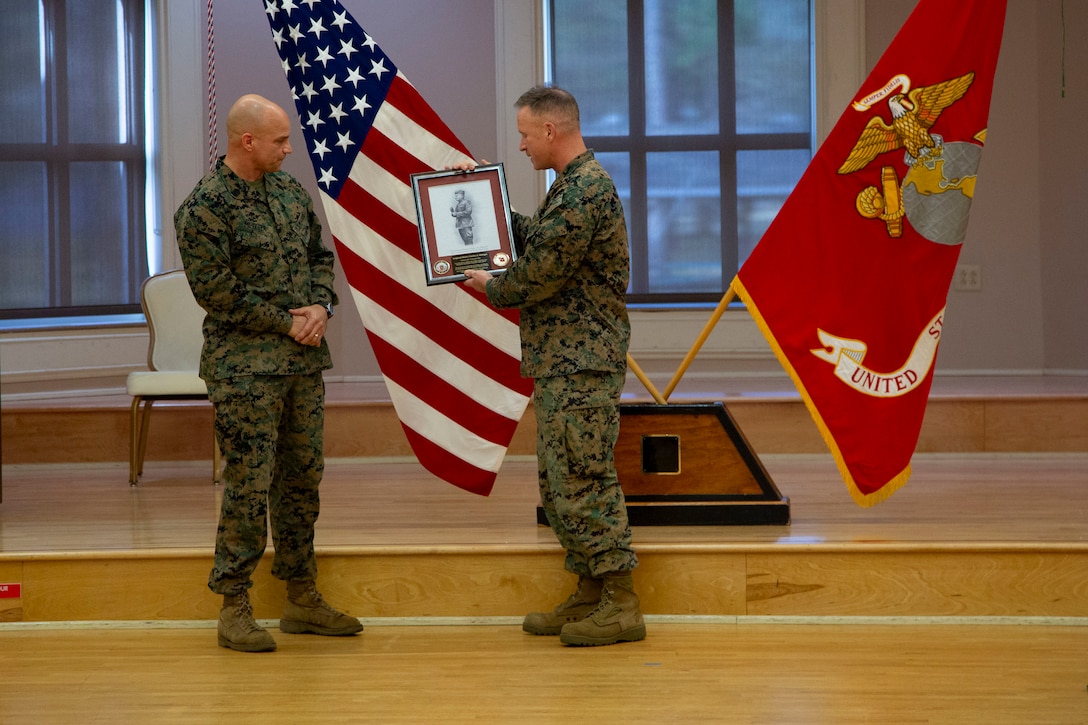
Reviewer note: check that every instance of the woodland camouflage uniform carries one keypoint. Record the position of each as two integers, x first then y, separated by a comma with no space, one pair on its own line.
570,283
252,251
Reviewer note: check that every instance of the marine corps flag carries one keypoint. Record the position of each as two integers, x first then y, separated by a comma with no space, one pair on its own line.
849,282
451,362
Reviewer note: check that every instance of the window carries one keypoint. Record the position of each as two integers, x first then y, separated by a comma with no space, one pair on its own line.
702,112
72,157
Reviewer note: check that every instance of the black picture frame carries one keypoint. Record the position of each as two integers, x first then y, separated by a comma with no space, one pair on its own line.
455,236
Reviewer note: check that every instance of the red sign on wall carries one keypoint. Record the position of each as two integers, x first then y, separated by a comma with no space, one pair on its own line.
11,591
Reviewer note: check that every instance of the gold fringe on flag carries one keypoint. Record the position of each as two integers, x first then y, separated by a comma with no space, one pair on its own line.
861,499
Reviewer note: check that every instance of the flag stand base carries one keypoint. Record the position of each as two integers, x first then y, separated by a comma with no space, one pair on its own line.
690,465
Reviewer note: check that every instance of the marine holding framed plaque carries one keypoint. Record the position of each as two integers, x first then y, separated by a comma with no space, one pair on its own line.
464,222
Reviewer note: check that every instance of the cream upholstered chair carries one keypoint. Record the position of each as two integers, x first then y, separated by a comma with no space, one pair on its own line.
174,320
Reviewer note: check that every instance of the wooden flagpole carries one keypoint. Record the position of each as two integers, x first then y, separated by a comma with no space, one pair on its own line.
645,380
707,329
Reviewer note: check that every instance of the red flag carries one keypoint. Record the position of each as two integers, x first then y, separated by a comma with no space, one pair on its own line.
850,281
450,361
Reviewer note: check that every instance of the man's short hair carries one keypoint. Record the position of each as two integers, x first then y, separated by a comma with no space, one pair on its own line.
553,103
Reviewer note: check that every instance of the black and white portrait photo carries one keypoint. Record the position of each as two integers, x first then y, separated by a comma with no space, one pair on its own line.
471,226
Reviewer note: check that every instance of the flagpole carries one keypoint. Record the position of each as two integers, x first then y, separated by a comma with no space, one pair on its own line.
707,329
645,380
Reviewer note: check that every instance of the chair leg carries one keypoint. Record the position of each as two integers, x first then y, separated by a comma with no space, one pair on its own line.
145,425
134,441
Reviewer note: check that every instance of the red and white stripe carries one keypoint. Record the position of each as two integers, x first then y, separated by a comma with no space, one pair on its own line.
450,361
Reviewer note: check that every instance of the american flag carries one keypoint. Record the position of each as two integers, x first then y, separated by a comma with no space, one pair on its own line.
450,361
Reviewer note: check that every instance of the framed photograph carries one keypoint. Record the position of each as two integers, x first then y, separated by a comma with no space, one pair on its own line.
464,222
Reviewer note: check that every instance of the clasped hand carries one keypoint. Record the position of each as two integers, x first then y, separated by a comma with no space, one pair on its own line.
308,324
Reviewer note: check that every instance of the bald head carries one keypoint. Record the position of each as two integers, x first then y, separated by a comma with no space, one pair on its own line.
258,132
252,114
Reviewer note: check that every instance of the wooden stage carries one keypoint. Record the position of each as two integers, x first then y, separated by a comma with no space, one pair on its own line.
962,599
994,522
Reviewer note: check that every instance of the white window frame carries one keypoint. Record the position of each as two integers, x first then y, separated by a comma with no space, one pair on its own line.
662,336
90,361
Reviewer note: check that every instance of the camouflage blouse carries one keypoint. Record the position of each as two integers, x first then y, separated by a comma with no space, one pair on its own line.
251,252
570,279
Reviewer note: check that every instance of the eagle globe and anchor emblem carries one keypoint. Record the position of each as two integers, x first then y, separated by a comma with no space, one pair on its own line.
934,196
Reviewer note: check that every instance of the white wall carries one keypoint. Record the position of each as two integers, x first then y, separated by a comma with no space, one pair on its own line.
471,58
1060,92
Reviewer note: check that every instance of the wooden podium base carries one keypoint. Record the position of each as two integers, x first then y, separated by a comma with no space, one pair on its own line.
688,465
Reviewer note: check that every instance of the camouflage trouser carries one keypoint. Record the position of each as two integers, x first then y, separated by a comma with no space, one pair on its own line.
271,432
577,418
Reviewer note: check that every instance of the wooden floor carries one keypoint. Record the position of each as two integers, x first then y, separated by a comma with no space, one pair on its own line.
969,501
971,535
765,674
961,599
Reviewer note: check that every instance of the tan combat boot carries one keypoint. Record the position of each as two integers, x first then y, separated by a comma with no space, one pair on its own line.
585,598
307,613
616,619
237,628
